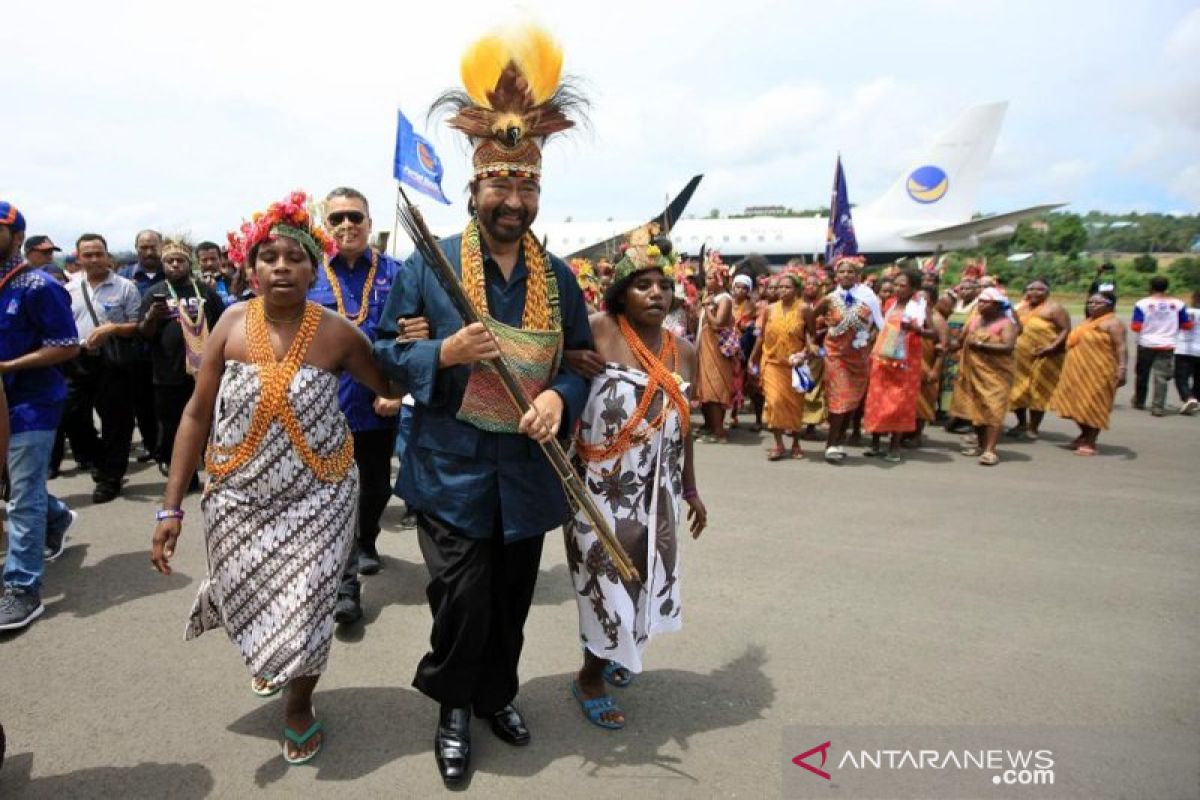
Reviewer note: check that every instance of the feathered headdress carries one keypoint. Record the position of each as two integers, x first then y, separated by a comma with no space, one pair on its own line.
514,99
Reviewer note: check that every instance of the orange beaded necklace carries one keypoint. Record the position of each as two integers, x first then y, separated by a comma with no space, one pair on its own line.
273,403
660,377
364,304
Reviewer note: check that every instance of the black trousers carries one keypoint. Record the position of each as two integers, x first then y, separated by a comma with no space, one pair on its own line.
373,455
479,592
169,402
1187,377
142,396
108,390
1152,365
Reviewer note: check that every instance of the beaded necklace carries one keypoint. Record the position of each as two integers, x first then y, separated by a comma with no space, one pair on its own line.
364,304
195,331
542,311
660,377
17,269
273,403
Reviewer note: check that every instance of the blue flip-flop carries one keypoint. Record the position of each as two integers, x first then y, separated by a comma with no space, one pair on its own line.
617,674
300,740
595,708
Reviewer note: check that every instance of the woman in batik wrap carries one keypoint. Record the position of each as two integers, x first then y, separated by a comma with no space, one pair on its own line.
635,455
280,503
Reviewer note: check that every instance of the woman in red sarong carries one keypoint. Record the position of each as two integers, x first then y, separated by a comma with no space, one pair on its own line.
896,365
849,322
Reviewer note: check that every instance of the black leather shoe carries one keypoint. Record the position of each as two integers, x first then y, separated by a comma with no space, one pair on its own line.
509,725
106,492
349,607
368,560
452,745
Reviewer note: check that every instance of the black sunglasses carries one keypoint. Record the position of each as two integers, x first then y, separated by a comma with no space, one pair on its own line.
338,217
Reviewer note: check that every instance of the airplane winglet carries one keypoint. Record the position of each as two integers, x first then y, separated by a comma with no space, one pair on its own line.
980,225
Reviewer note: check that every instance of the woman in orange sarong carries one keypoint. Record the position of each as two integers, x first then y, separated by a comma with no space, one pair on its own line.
714,389
815,410
787,341
1095,368
933,347
1039,357
896,367
985,374
847,353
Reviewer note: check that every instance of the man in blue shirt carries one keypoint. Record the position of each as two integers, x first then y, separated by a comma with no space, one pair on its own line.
355,283
37,332
483,491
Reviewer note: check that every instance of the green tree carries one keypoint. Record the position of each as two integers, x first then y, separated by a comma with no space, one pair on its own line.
1145,264
1067,235
1185,273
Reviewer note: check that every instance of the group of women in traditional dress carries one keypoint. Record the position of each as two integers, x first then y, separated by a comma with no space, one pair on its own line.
895,359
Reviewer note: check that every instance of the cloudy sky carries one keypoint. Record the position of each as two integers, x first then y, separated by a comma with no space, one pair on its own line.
186,117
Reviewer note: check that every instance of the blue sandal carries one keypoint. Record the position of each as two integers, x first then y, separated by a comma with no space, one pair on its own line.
595,708
300,740
617,674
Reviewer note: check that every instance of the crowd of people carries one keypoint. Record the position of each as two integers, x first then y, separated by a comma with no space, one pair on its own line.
293,364
888,353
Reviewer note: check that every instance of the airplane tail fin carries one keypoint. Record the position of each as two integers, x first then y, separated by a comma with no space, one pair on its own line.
942,184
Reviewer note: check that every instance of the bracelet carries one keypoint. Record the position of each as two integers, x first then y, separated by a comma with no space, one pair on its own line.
690,493
169,513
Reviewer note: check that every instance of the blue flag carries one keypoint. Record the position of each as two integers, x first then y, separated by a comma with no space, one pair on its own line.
415,163
840,239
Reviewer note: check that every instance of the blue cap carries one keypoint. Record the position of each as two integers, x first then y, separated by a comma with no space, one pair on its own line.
11,217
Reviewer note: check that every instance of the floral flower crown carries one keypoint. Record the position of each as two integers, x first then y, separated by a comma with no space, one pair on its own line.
288,217
589,282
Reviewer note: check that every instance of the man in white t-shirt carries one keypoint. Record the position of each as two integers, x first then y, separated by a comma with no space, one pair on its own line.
1187,359
1157,320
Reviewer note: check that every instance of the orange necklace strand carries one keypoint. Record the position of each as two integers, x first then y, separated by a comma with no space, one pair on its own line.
364,305
660,377
540,309
276,379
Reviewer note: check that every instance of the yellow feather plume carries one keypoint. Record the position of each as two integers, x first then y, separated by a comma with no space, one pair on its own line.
536,54
540,59
481,66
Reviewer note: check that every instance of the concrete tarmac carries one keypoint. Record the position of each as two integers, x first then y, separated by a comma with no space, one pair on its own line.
1049,590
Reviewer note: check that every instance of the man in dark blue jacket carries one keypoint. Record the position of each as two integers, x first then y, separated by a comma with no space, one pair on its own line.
474,473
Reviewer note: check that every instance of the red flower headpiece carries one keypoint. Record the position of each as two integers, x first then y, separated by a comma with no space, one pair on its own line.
288,217
857,261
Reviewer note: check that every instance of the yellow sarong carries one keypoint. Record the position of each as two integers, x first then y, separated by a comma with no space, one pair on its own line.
984,379
1035,378
784,335
1085,392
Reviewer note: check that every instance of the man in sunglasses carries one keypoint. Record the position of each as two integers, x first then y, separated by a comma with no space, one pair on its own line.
355,283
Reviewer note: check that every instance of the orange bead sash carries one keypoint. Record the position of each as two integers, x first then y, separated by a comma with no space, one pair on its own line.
364,304
273,403
660,377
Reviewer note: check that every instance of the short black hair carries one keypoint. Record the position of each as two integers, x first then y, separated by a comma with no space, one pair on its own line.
1159,283
352,194
913,276
149,231
91,237
208,246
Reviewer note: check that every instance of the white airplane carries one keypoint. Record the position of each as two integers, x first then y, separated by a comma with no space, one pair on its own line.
928,209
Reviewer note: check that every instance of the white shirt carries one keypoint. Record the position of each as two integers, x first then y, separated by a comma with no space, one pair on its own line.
115,299
1187,343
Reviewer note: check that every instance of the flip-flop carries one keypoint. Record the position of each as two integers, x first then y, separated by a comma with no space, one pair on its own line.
893,458
617,674
302,739
267,691
595,708
1085,450
797,452
989,460
776,454
970,452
